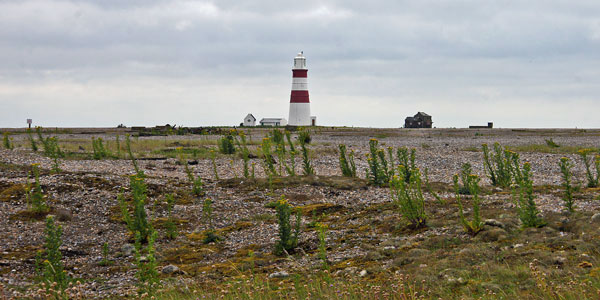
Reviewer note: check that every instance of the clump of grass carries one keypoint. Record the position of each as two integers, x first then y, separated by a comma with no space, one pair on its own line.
288,240
322,234
551,143
105,260
137,223
7,141
472,183
347,164
226,143
499,165
50,263
170,227
592,179
524,198
409,197
567,176
100,152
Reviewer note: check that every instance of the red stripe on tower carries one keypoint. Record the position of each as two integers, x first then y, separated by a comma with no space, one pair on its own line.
299,97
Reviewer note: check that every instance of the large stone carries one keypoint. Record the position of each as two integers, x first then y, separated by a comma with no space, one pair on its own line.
171,269
494,223
280,274
596,218
493,235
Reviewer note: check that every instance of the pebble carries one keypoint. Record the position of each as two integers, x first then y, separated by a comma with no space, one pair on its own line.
280,274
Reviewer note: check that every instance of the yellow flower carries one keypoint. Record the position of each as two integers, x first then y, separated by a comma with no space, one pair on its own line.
179,148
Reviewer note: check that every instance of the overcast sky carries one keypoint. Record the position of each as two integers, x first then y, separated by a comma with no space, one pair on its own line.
533,63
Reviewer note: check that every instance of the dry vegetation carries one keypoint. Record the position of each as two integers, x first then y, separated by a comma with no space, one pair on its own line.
354,241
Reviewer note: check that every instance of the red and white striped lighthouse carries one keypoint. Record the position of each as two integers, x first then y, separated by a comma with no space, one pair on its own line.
299,103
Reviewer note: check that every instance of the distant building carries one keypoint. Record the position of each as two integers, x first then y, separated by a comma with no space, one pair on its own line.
249,120
313,121
420,120
273,122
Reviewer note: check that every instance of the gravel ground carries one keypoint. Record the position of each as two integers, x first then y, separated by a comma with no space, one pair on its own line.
86,190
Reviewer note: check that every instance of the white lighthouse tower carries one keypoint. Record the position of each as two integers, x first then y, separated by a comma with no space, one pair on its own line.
299,102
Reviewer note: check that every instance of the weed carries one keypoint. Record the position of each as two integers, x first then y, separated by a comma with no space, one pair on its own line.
409,197
376,174
131,157
38,200
226,144
567,175
6,141
592,179
243,149
213,157
170,227
524,198
288,136
287,240
268,157
276,136
307,168
138,223
118,141
52,270
406,158
211,235
148,281
472,183
498,165
430,189
197,185
100,152
347,164
304,136
322,233
551,143
32,142
465,177
291,169
105,260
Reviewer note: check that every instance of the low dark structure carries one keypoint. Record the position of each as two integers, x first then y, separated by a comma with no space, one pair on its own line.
489,125
420,120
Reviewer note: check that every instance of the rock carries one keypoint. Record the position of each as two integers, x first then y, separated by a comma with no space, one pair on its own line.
596,218
494,222
127,249
171,269
280,274
416,252
63,215
422,266
497,190
515,246
493,235
362,273
559,260
192,162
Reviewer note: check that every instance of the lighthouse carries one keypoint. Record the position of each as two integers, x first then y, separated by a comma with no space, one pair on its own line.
299,103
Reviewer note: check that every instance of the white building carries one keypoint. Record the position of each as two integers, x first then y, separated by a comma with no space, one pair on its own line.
273,122
249,120
299,99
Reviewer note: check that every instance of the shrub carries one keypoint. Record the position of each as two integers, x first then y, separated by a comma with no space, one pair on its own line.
409,197
524,199
138,222
499,165
567,175
276,136
406,158
347,164
592,179
52,270
377,173
287,240
226,144
472,184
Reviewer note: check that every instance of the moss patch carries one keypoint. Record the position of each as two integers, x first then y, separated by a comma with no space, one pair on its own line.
12,192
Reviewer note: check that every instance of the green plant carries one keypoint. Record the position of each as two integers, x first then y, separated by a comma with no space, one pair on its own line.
472,183
465,178
377,173
307,168
291,169
213,157
322,233
304,136
131,156
207,210
197,185
53,274
287,240
499,165
268,157
524,198
347,164
137,223
430,188
243,149
38,200
551,143
409,197
6,141
170,227
226,144
105,260
288,137
567,175
276,136
32,142
148,281
100,152
118,142
592,179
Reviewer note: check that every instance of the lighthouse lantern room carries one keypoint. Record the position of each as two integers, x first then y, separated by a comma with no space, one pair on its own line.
299,100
